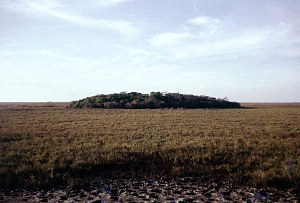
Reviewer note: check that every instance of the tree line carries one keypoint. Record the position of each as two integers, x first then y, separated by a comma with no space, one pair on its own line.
154,100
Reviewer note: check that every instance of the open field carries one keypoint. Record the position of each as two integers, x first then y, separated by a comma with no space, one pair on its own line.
47,143
271,105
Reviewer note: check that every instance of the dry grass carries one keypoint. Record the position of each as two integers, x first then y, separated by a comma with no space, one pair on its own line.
46,144
271,105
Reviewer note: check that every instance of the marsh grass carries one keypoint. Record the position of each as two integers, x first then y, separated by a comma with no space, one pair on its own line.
46,145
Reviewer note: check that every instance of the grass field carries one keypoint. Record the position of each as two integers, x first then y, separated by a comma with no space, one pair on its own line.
44,144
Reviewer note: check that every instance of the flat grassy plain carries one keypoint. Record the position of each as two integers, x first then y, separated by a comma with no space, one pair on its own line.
46,144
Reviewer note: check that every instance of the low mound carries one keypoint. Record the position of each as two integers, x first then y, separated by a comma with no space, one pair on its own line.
154,100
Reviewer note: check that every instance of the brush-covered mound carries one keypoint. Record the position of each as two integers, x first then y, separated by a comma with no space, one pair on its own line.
154,100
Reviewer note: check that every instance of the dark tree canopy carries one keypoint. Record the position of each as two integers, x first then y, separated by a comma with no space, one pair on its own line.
154,100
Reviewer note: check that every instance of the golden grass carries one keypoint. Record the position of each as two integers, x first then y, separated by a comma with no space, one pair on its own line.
45,144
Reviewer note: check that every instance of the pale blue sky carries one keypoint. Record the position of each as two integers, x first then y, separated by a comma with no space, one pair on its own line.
53,50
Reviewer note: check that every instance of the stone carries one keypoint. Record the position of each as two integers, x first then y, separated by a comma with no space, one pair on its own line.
189,199
114,197
94,192
156,190
190,193
63,197
233,194
177,192
147,190
97,201
153,195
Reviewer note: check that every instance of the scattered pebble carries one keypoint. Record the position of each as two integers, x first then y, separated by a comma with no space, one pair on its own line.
145,189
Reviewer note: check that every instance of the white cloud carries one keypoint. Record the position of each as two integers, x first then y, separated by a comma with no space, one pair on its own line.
58,10
219,48
105,3
238,45
205,27
203,20
44,4
168,38
198,39
210,23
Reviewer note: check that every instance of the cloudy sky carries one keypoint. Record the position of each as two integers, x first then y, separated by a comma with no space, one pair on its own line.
61,50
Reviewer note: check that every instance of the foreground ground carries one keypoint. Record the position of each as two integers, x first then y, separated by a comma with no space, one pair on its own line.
151,189
47,144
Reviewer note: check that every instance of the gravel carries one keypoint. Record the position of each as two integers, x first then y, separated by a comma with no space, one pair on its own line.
150,189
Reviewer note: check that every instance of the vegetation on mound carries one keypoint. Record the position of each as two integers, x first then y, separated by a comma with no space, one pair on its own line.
135,100
57,145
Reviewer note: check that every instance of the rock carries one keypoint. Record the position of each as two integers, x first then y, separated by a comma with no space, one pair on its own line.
144,190
170,199
153,195
180,199
142,196
212,199
63,197
260,196
226,193
248,194
190,193
207,194
177,192
90,197
156,190
150,190
233,194
97,201
146,199
94,192
135,194
151,180
189,199
114,197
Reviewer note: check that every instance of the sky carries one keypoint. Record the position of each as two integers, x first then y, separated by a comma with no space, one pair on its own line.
62,50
